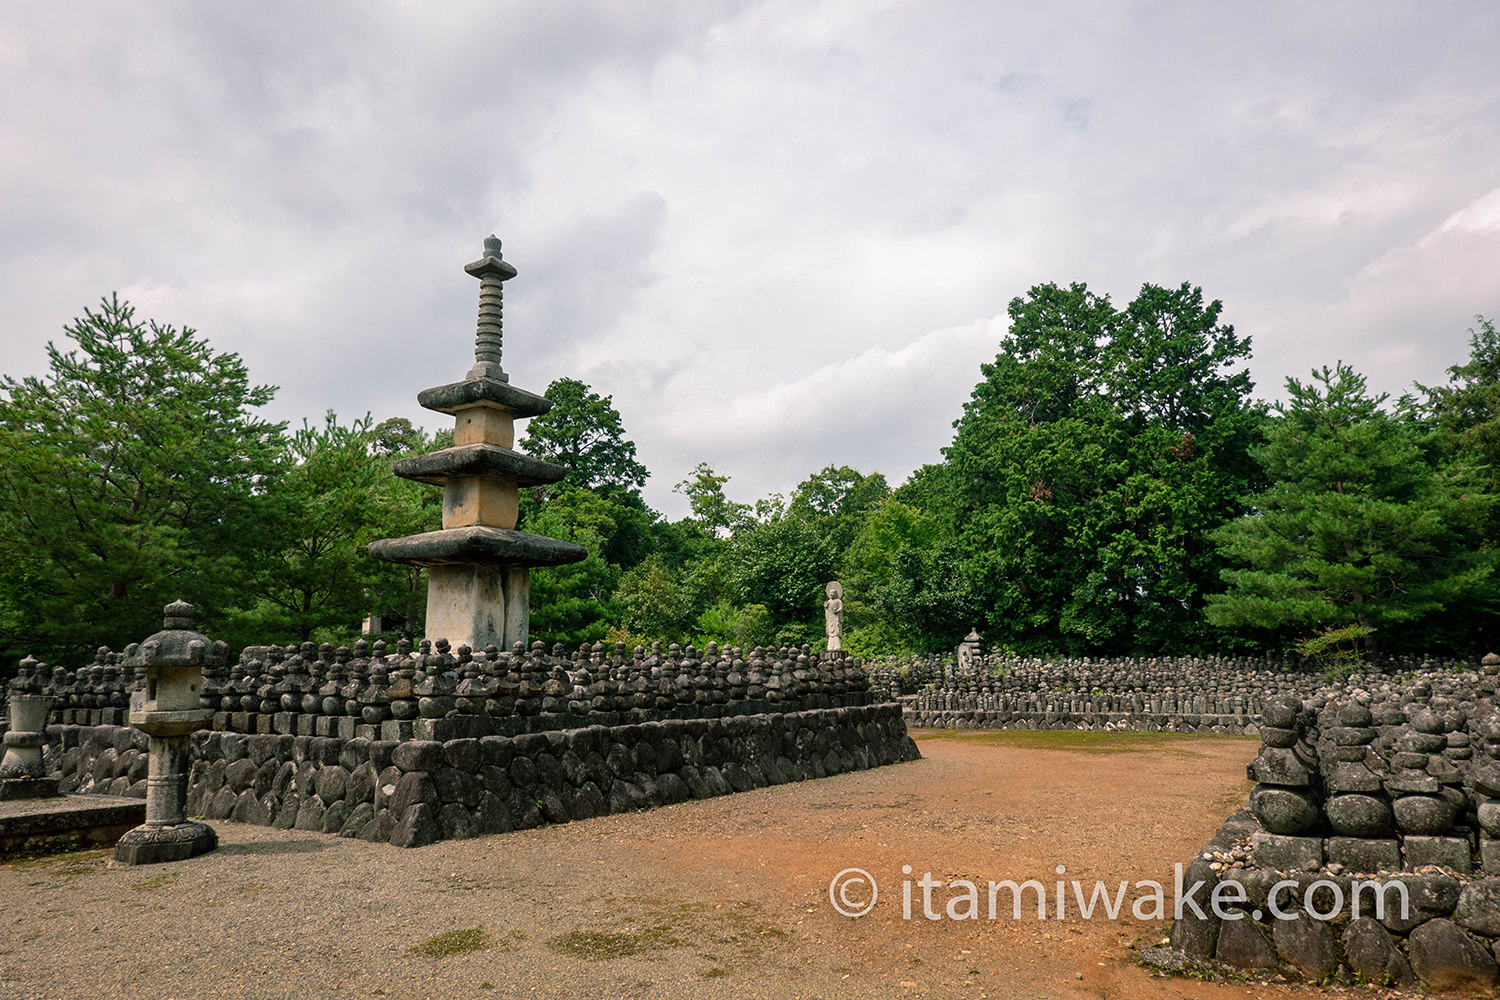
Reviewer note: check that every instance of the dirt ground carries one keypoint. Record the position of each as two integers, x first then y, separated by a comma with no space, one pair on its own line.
727,897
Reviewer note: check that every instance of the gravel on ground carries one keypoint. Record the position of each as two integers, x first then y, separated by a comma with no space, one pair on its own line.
727,897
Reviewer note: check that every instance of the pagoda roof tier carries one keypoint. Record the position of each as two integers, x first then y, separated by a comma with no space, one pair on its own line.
478,459
477,545
457,396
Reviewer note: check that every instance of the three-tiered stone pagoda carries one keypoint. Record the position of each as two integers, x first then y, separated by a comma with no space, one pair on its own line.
479,565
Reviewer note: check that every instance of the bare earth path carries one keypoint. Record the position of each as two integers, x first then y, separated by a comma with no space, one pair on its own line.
720,898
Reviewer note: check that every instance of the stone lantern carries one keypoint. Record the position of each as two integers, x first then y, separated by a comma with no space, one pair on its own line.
168,711
969,649
22,775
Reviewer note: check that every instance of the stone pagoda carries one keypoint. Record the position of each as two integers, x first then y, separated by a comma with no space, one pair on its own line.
479,565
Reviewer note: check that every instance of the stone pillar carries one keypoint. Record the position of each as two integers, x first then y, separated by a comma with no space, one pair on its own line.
969,649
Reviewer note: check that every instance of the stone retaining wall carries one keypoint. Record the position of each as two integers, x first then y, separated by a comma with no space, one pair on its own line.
410,793
1447,935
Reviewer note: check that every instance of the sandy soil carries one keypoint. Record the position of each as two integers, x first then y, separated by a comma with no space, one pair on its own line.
721,898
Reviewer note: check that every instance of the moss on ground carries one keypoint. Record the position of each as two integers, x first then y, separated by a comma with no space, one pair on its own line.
598,945
455,942
1074,740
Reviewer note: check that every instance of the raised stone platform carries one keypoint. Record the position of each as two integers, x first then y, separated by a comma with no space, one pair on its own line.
28,824
27,788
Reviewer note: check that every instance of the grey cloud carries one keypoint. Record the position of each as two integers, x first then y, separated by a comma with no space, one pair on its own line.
733,216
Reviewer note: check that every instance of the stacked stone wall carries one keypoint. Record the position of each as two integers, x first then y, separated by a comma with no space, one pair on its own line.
1370,793
410,793
430,742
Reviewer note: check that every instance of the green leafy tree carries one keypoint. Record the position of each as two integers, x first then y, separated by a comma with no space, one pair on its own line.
583,433
336,496
1467,408
654,604
1464,415
713,512
1089,465
889,571
837,501
575,603
745,626
133,474
1354,529
782,563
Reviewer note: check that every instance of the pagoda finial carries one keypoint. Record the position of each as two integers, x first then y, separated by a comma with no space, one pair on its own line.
492,271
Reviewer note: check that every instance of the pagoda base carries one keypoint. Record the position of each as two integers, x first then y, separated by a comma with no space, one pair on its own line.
479,605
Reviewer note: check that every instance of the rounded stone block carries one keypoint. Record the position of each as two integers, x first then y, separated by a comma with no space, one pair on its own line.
454,822
310,815
417,827
419,755
1372,955
412,788
1427,815
1284,810
1242,944
1489,817
1275,737
1306,945
331,783
1359,815
1478,908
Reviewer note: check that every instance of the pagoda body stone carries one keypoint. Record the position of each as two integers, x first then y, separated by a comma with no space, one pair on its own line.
478,565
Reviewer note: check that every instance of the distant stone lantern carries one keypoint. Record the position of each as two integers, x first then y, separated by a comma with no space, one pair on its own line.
168,710
22,775
969,649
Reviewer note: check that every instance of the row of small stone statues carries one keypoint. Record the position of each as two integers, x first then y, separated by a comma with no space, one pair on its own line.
434,680
1171,681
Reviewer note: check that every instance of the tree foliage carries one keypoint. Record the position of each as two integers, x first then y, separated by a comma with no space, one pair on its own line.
132,472
1099,449
713,512
1111,487
583,433
1355,529
335,496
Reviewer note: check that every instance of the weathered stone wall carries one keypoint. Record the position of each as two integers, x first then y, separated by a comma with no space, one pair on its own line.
413,792
1355,793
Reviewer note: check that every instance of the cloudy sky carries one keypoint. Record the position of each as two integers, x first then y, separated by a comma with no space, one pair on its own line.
779,234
